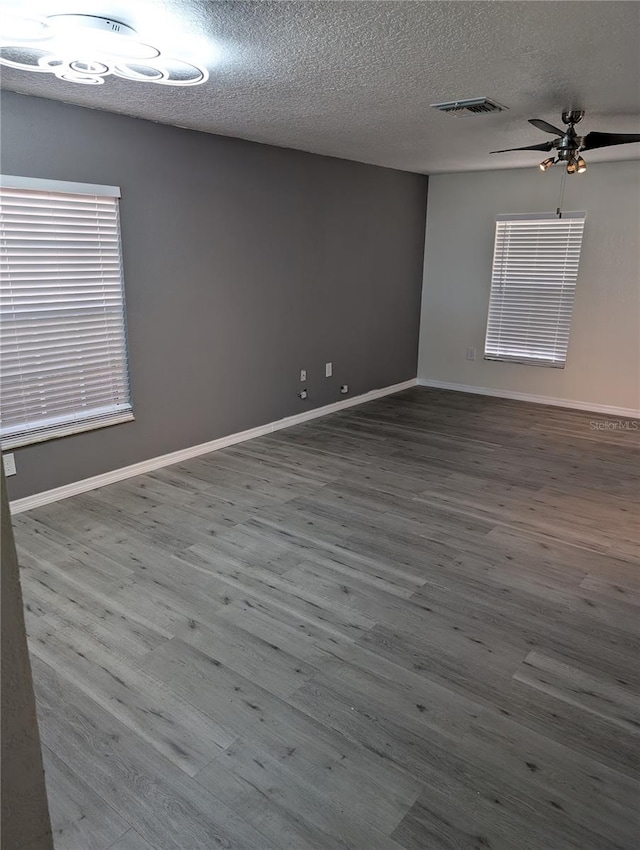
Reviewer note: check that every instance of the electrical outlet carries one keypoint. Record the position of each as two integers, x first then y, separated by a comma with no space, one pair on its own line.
344,389
471,354
9,463
302,394
328,370
303,374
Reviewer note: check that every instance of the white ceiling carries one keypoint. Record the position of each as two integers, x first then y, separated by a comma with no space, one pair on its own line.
355,79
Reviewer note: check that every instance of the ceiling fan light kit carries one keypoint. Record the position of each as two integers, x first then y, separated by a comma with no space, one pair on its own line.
84,49
569,145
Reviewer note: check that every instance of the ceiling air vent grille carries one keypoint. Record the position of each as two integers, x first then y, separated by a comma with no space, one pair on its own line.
472,106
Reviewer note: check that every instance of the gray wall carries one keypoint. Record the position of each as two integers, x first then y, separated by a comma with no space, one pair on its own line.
603,360
243,264
24,809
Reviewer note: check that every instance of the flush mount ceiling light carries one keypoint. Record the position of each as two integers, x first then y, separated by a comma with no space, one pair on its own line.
85,49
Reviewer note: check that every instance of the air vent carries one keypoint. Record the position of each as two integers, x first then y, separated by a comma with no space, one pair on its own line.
472,106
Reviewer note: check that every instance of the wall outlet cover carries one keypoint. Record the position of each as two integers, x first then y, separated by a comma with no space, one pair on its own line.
471,354
303,374
9,463
328,370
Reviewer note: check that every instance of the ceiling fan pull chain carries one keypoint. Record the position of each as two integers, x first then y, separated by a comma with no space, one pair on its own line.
561,195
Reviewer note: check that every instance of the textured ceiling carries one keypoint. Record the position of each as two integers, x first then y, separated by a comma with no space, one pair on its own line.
355,79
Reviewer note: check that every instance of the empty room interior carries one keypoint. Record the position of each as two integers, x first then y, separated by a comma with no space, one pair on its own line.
320,395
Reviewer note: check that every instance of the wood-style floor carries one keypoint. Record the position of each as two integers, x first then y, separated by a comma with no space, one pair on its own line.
413,624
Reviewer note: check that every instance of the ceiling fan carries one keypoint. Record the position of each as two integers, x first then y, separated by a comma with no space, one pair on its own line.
569,145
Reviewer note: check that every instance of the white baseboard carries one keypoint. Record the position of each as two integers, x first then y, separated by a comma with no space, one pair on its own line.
611,410
86,484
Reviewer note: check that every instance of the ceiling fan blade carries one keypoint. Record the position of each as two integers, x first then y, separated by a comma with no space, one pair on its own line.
604,140
546,127
545,146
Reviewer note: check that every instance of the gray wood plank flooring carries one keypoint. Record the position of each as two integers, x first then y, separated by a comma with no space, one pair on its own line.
412,625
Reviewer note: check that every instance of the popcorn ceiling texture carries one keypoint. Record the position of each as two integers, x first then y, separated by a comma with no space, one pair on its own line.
355,79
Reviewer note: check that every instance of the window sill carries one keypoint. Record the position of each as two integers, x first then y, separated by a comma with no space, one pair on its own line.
549,364
22,440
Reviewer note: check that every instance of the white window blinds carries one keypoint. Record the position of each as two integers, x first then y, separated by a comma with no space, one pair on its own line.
63,365
533,283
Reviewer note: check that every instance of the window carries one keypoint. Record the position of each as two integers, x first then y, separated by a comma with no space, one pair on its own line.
63,365
533,284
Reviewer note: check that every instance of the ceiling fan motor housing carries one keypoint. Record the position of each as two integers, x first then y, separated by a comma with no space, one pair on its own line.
570,143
